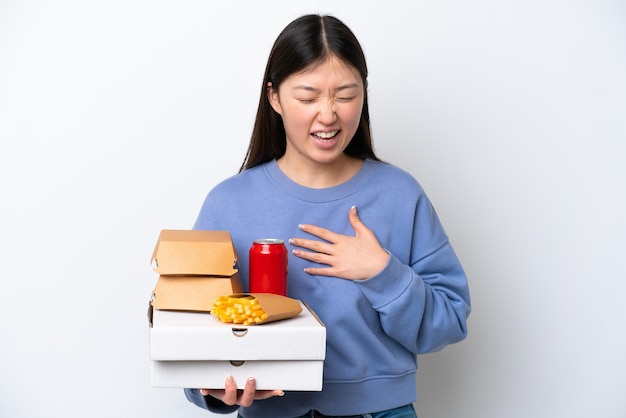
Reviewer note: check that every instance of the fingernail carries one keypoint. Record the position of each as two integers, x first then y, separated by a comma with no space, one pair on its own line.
230,379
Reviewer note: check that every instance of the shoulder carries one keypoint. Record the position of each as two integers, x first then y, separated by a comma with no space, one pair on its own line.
389,175
228,197
239,182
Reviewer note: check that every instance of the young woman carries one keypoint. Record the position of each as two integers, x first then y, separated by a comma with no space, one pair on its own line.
368,253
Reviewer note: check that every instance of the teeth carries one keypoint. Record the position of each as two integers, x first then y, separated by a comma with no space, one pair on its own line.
326,135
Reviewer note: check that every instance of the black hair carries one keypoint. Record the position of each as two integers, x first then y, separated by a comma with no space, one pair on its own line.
304,43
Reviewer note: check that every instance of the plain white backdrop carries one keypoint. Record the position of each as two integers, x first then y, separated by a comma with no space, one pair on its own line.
117,117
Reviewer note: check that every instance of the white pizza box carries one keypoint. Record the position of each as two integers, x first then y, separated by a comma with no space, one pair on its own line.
195,350
292,375
179,335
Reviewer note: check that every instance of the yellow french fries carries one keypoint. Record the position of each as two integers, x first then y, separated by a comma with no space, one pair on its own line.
243,310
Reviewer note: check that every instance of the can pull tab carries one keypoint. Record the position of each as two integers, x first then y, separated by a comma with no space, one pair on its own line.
239,332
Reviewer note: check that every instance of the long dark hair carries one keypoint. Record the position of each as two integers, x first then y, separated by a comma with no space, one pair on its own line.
305,42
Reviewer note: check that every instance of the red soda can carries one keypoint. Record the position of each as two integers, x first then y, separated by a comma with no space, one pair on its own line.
268,267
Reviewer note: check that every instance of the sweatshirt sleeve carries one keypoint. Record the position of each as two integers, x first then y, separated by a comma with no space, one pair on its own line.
208,402
423,312
422,299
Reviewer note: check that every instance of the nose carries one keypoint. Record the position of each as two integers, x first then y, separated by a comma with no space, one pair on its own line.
326,113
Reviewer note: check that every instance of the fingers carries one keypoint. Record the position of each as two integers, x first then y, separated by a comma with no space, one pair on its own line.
322,233
313,245
330,236
247,397
216,393
359,227
271,393
231,396
353,215
353,257
230,391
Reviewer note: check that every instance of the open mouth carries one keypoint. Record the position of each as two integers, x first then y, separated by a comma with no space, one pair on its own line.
325,135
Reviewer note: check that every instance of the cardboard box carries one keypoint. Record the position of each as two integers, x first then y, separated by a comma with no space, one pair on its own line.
195,267
194,253
195,350
195,293
292,375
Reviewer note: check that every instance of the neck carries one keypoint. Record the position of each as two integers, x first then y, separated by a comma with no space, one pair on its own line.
321,175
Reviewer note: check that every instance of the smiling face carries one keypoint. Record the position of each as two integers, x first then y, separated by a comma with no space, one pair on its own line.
321,109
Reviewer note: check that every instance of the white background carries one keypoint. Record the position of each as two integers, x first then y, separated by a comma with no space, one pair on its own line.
116,118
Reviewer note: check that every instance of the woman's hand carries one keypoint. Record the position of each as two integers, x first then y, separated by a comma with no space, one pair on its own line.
354,258
230,395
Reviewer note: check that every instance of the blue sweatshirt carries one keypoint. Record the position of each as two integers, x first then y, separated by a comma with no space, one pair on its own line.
375,328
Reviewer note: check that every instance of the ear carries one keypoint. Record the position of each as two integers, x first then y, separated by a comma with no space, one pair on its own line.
272,96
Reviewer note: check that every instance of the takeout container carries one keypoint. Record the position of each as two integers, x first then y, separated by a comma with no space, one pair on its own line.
196,350
276,307
195,267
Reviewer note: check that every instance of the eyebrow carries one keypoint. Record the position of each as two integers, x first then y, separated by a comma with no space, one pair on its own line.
316,90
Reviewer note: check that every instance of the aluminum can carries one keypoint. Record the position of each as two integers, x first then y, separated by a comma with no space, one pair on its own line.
268,267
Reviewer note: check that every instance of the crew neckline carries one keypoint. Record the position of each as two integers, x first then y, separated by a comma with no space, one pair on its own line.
326,194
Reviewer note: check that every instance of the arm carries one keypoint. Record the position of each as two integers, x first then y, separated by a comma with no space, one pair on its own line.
425,311
424,305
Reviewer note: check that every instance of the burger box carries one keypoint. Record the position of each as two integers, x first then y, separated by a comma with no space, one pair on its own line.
194,268
196,350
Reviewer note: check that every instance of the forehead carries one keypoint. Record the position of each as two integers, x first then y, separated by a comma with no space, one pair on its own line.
330,70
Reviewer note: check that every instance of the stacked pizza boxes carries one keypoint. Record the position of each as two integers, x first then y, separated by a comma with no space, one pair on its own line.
191,348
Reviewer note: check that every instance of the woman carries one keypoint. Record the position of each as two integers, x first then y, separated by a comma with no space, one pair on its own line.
384,280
